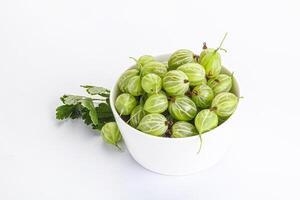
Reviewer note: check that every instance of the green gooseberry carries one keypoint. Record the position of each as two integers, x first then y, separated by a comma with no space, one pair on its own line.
206,120
154,124
134,86
202,95
182,108
155,67
156,103
136,115
175,82
221,83
195,73
180,57
183,129
224,104
125,103
143,60
212,63
111,134
210,59
123,80
151,83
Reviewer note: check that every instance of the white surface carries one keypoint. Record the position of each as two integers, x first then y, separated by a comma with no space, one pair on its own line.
178,156
48,48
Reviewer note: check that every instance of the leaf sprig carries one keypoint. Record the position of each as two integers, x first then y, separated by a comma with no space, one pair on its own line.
94,112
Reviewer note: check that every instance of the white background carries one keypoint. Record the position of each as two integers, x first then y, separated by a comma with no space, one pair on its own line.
50,47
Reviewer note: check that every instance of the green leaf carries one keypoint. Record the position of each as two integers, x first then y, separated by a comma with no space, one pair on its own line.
94,90
71,99
104,111
66,111
86,117
88,104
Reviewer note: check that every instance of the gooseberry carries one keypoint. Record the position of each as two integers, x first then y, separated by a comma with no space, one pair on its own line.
125,103
122,83
195,73
154,67
221,83
134,86
202,95
151,83
156,103
183,129
153,124
175,83
182,108
143,60
136,115
206,120
210,59
180,57
224,104
111,133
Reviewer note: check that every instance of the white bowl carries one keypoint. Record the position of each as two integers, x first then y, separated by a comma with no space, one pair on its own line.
176,156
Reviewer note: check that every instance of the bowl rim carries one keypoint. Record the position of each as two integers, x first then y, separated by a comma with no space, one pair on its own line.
160,57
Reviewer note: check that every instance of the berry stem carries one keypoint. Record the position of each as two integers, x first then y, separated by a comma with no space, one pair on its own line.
133,59
201,141
220,46
118,147
204,45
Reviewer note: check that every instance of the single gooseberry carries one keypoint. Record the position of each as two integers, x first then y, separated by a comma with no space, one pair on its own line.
183,129
206,120
122,83
125,103
202,95
180,57
182,108
175,83
134,86
156,103
154,67
224,104
153,124
143,60
151,83
195,73
136,115
111,133
221,83
210,59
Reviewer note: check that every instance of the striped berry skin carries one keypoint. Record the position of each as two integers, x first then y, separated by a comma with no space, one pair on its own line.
206,120
183,129
151,83
156,103
180,57
202,96
224,104
153,124
123,80
182,108
222,83
125,103
136,115
175,83
195,73
134,86
154,67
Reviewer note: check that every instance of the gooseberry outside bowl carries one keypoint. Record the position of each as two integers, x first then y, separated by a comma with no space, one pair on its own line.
176,156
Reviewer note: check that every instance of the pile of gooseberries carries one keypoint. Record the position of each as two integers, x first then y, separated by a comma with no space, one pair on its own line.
186,96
